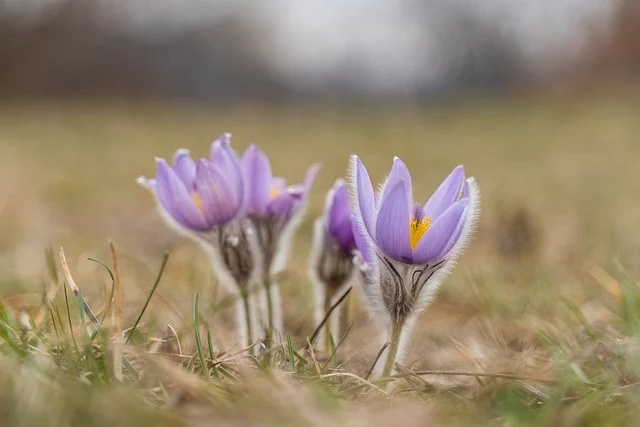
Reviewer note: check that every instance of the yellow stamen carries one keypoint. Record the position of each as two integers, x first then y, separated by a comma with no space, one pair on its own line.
197,200
417,229
274,191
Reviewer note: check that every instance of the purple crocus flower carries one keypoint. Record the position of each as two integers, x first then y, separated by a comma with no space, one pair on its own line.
199,196
334,246
275,208
409,248
206,200
338,224
275,211
331,265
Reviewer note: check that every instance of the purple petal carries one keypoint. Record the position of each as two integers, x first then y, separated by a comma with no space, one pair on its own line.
279,183
216,146
185,167
258,179
399,172
338,208
454,237
365,196
363,242
148,183
299,192
310,176
339,218
219,203
435,241
343,235
392,227
175,198
283,205
447,194
226,159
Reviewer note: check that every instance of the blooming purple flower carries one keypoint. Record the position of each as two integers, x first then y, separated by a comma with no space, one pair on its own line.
410,246
200,196
407,248
331,264
206,200
274,207
338,224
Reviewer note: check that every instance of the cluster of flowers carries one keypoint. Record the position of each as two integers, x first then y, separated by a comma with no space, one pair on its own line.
244,218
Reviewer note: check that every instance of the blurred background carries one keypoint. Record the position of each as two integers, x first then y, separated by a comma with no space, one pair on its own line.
284,50
539,100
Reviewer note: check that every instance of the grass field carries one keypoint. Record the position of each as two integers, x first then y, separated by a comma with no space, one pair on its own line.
547,294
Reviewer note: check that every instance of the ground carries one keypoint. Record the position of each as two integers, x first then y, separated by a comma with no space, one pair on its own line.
547,294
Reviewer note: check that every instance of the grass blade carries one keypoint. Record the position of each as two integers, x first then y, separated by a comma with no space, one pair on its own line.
292,360
196,330
214,367
165,259
113,286
326,316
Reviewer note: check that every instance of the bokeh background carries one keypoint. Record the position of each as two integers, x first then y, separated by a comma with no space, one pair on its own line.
539,100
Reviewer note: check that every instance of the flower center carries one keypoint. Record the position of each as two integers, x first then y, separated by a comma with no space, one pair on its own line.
418,225
197,201
274,192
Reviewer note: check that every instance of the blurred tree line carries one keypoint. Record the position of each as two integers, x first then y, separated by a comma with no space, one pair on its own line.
70,50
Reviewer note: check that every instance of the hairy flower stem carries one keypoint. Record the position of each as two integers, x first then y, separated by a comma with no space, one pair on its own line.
327,327
247,316
270,317
343,325
396,331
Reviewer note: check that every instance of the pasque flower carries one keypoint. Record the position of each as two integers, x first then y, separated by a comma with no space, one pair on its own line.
408,249
331,264
275,210
206,201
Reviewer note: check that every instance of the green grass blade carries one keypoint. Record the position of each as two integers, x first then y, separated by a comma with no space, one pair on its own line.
165,259
212,356
292,360
196,330
113,286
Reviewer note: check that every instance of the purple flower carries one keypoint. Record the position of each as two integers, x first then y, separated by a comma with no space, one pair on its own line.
408,249
338,224
406,244
206,200
331,262
411,234
274,207
200,196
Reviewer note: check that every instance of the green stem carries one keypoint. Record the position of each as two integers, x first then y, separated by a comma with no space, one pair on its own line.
247,315
270,321
396,331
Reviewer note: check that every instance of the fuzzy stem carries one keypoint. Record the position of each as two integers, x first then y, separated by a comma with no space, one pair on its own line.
270,321
396,331
327,326
247,315
343,325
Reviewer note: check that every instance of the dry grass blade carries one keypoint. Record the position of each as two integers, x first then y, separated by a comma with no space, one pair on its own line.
375,361
357,378
504,375
118,344
314,336
153,290
76,291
